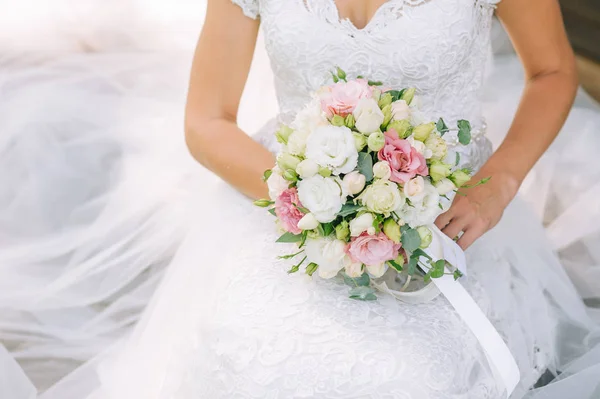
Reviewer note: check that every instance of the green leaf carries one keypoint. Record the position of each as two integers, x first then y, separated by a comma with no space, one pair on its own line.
441,126
363,281
411,240
289,237
348,209
412,265
272,211
363,293
457,274
365,165
290,256
327,228
419,252
396,94
464,132
438,269
395,265
457,161
375,83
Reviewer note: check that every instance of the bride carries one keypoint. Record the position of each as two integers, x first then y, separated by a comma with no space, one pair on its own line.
228,322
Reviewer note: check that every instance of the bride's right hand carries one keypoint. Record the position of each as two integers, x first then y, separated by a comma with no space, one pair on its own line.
219,72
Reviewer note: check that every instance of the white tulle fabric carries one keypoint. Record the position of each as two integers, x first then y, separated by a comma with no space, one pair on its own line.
100,198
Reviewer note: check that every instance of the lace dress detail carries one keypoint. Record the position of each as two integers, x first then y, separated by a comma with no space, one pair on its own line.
249,7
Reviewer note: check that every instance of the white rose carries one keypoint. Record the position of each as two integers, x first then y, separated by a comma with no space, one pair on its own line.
307,168
323,196
383,196
437,145
310,117
353,269
420,147
422,212
368,116
329,253
444,186
308,222
361,224
382,170
400,110
333,147
276,184
354,182
414,189
377,271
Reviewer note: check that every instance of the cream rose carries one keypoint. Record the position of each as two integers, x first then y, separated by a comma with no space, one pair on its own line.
414,189
322,196
383,196
368,116
382,170
333,147
354,182
400,110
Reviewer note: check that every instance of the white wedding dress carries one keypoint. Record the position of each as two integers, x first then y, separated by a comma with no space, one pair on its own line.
227,321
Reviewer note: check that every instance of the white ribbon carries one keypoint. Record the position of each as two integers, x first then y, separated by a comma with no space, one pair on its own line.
501,361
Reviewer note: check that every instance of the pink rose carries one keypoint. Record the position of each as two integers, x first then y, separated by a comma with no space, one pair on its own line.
405,161
341,98
286,209
373,250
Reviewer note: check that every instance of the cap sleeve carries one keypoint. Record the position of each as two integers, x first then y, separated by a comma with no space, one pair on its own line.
249,7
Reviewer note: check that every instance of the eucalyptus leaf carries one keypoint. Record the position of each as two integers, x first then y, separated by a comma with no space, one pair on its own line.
365,165
441,127
363,293
457,274
438,269
457,160
363,281
289,237
419,252
412,265
349,209
464,132
411,240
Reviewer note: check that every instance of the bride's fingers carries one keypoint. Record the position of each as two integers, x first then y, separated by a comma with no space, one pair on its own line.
445,218
468,238
455,226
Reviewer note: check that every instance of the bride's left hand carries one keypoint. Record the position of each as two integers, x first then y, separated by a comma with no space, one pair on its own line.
476,210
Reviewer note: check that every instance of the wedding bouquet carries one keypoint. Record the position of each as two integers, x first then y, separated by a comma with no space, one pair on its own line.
360,180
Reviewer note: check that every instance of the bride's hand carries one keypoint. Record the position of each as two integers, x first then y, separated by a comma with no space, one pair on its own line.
476,210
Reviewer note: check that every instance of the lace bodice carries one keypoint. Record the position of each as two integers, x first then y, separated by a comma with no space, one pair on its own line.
440,47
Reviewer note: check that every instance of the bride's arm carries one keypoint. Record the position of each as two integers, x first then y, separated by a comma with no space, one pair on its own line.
219,72
536,30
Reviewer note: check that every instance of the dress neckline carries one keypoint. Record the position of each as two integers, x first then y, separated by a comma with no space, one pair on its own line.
351,23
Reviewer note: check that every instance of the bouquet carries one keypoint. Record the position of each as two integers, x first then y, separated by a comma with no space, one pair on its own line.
361,178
